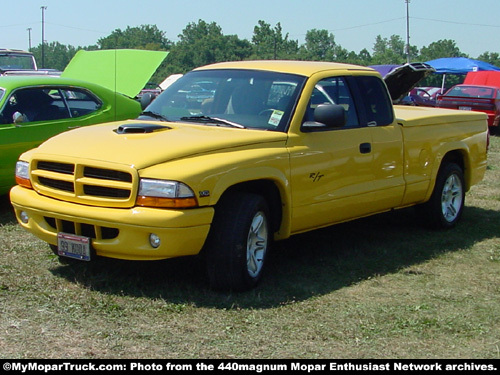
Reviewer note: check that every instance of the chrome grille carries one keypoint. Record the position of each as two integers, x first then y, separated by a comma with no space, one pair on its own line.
106,184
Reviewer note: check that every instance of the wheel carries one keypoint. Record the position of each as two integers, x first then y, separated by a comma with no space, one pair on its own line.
444,208
238,242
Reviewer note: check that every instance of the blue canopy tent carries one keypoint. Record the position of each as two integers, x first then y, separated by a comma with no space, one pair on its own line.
459,65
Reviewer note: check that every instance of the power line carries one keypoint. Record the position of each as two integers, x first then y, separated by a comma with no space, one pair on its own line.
415,18
76,28
21,24
454,22
358,26
368,24
51,23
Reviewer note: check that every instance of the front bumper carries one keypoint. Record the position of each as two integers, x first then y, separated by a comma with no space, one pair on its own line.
115,232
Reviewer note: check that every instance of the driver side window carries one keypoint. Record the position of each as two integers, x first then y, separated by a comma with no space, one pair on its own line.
376,101
333,90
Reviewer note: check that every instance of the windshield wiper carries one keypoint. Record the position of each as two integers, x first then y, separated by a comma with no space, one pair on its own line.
154,115
212,120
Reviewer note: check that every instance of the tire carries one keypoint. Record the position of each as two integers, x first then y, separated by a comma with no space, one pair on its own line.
238,242
444,208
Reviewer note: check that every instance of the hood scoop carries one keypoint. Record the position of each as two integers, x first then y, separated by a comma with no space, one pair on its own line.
140,128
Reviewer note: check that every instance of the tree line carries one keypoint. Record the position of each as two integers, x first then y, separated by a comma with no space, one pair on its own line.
202,43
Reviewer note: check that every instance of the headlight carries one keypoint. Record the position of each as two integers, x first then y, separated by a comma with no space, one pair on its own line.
23,174
161,193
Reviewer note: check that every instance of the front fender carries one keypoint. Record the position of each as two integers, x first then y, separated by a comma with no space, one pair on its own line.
211,175
249,176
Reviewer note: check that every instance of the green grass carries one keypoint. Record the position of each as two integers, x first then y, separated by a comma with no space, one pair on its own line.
380,287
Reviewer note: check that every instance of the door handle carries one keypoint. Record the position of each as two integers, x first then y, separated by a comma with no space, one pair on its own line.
365,148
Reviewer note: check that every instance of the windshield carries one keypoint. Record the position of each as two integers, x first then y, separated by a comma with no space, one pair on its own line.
17,62
471,91
232,97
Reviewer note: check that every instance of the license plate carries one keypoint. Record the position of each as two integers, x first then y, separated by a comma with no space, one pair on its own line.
462,108
73,246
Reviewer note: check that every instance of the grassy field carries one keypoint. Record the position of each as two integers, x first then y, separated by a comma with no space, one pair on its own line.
381,287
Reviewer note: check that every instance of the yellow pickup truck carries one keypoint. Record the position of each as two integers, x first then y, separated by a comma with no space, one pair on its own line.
235,155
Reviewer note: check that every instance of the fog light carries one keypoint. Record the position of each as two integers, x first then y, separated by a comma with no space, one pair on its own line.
154,240
24,217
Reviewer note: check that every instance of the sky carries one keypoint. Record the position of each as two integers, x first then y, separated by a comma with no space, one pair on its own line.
473,25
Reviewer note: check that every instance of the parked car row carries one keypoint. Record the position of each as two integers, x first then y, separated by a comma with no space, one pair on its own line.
36,105
235,155
480,92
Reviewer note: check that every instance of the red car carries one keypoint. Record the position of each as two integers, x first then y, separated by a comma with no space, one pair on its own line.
474,98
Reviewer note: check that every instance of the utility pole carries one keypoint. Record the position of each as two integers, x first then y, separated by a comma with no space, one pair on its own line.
29,38
407,31
43,8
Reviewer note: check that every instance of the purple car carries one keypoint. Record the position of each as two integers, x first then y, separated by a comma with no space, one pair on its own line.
423,96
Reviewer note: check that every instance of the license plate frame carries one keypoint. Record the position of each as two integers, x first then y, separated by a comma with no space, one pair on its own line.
464,108
73,246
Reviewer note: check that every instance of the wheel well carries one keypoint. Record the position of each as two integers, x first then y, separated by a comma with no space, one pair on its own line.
457,157
454,157
269,191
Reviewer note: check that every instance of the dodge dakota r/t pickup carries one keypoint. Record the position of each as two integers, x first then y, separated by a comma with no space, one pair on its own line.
235,155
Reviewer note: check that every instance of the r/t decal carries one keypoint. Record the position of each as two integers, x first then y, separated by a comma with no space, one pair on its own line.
315,177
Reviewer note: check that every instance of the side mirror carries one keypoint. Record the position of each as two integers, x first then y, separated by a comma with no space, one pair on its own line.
146,100
326,117
18,118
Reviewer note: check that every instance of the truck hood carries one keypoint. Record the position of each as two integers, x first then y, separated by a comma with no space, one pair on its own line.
124,70
151,143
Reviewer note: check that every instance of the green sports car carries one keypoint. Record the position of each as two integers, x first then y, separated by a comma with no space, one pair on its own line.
36,107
